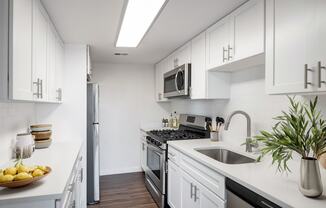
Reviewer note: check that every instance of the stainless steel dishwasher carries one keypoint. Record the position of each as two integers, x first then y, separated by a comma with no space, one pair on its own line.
239,196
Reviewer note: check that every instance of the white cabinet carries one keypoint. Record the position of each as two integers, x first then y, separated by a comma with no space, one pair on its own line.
20,50
218,40
30,44
295,43
160,69
237,41
205,84
40,35
181,56
55,66
249,31
195,195
193,185
143,151
174,185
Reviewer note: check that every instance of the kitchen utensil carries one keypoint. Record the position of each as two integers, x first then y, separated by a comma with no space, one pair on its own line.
41,144
41,127
42,135
22,183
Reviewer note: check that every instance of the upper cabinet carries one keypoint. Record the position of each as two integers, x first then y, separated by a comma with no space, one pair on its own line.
20,50
181,56
218,39
160,69
295,46
35,55
237,41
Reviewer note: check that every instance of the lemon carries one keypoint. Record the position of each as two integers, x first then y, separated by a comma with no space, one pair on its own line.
23,169
10,171
6,178
22,176
43,168
37,173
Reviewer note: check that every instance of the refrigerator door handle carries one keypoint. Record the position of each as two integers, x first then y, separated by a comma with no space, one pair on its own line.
96,163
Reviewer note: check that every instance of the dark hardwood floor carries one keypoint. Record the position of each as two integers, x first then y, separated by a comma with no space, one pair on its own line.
124,191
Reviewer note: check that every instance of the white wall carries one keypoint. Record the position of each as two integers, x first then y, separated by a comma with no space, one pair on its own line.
126,102
14,118
248,94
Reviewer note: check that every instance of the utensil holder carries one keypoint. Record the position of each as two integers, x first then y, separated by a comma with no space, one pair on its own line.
214,136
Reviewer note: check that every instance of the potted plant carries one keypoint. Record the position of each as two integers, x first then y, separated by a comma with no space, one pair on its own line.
301,130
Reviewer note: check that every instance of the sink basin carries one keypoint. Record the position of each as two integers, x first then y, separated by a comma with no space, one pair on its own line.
226,156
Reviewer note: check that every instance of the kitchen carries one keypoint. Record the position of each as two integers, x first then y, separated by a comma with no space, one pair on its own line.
199,66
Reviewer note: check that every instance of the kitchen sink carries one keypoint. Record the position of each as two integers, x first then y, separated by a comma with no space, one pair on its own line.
226,156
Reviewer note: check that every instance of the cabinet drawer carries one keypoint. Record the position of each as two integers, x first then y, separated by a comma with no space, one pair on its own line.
174,155
207,177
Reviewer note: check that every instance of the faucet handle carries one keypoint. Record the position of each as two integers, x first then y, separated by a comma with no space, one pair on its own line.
251,143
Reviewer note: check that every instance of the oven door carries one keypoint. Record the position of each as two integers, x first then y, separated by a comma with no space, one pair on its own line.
156,166
177,82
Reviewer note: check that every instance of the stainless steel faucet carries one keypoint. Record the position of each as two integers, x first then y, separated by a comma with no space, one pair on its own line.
249,144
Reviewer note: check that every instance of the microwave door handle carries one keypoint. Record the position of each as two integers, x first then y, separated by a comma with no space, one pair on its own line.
176,81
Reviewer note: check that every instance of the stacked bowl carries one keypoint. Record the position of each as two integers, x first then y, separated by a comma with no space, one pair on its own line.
42,135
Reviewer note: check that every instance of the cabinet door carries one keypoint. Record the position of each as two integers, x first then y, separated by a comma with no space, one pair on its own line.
289,47
187,191
320,43
248,30
198,67
51,63
160,69
158,82
217,42
59,65
174,185
207,199
182,55
21,51
40,29
143,151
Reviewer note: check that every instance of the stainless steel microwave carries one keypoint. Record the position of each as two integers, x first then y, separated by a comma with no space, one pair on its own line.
177,82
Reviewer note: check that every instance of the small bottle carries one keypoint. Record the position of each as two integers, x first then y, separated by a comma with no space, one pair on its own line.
171,121
175,120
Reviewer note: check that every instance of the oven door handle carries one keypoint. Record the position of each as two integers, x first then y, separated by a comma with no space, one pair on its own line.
176,80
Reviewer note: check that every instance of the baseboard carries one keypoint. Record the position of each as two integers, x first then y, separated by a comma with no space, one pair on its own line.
121,171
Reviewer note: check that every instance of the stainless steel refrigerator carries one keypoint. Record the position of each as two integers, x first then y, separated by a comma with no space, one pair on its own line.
93,159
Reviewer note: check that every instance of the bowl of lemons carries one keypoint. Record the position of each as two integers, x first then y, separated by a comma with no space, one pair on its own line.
21,175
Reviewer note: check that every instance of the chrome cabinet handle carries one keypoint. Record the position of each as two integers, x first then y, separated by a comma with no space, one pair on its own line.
196,197
59,94
229,54
306,70
41,88
191,190
143,146
37,83
159,96
224,58
320,67
81,175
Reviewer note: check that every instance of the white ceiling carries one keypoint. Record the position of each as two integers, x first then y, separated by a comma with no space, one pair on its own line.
96,22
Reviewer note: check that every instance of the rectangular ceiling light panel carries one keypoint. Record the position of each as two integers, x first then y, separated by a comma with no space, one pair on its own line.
139,16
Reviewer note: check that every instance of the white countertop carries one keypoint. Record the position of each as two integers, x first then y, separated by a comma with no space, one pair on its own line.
261,177
61,158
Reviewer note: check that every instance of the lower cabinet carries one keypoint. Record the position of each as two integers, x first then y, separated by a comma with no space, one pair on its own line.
186,185
174,185
143,151
195,195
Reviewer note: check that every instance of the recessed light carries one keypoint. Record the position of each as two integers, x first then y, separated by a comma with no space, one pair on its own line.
138,17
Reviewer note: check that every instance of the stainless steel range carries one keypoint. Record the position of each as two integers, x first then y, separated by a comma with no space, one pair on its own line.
191,127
